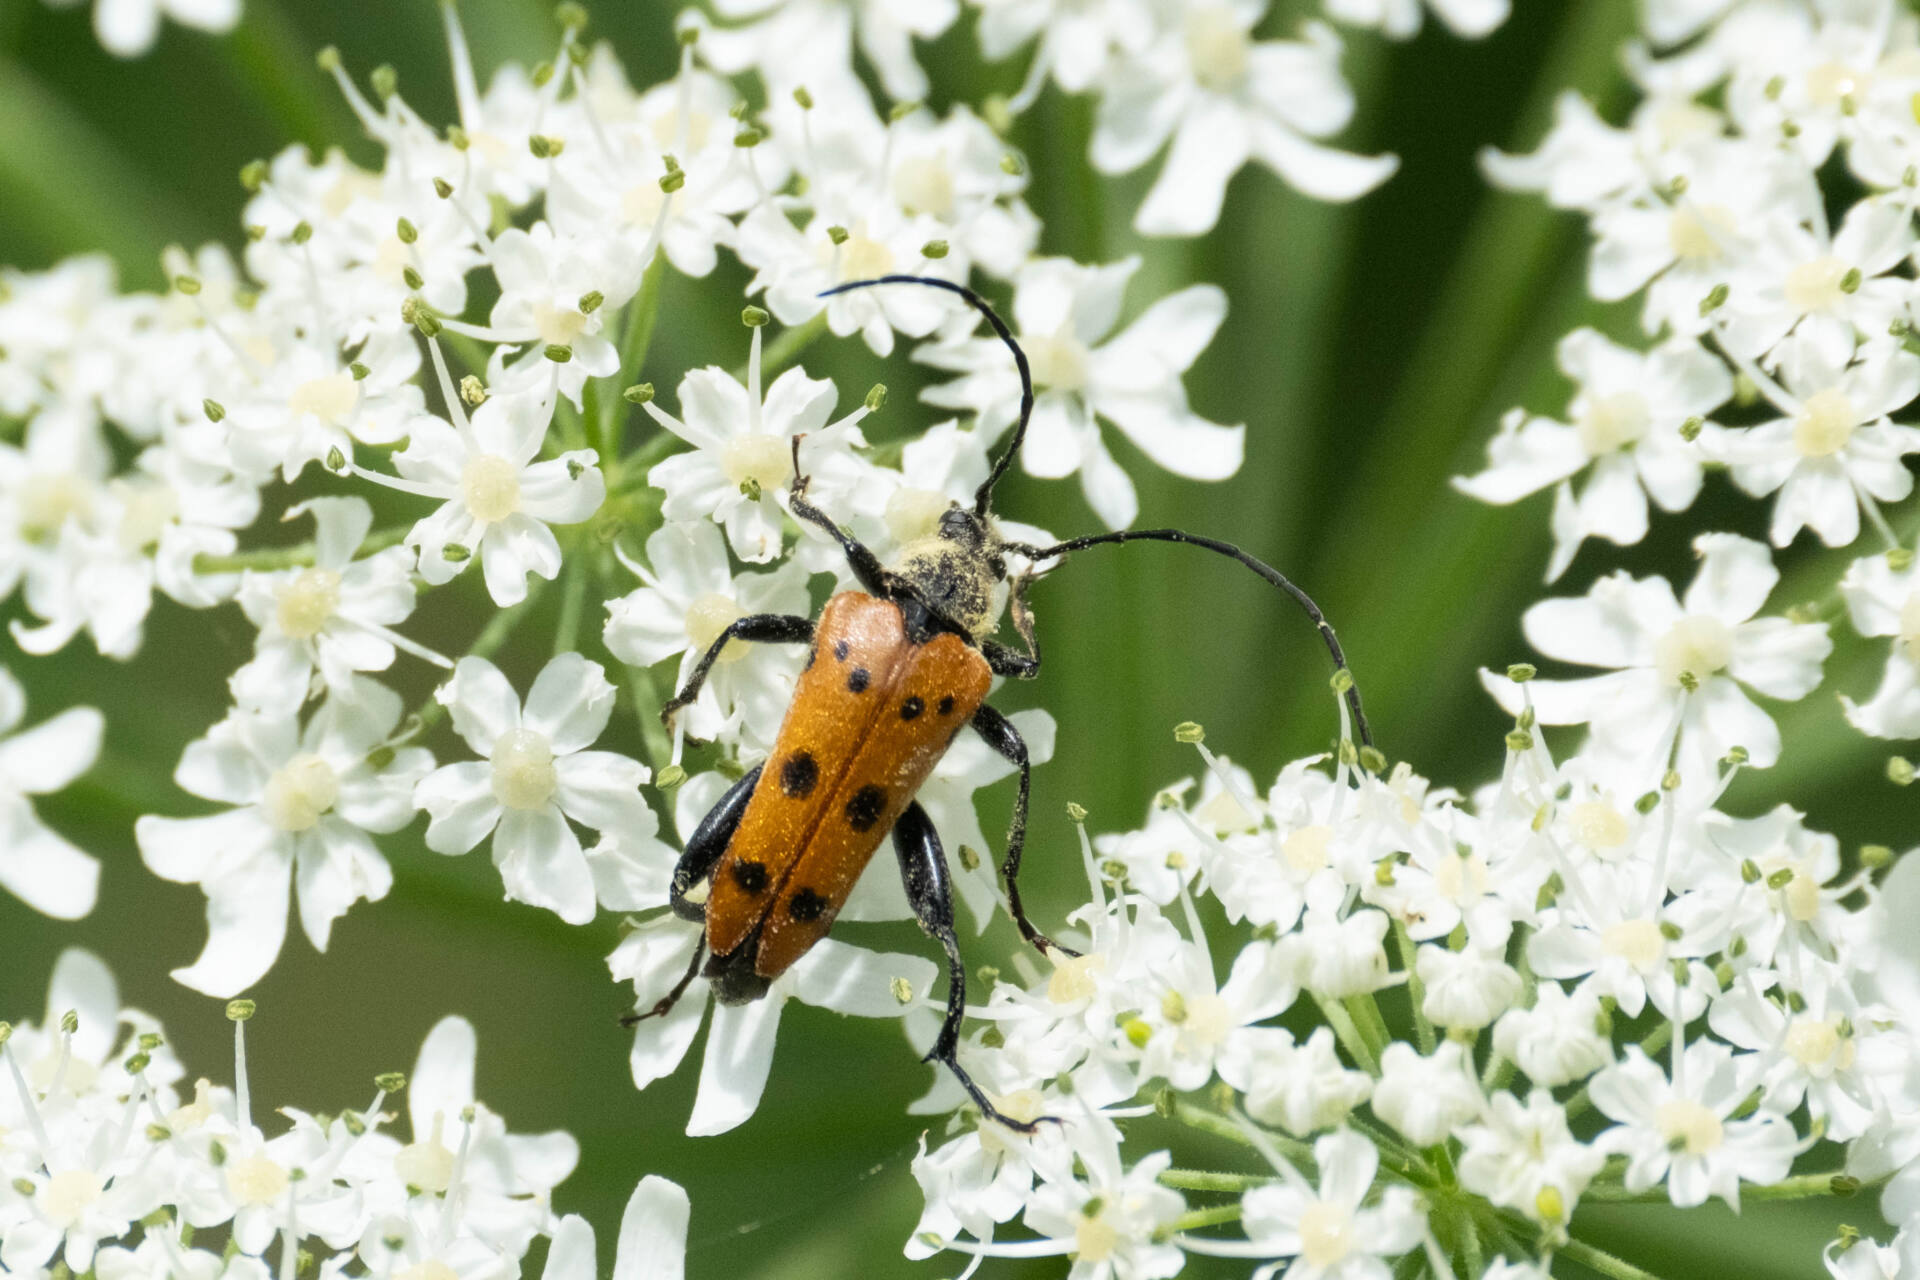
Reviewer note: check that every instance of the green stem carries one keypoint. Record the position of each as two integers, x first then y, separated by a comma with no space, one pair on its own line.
1349,1035
1805,1186
297,556
573,601
1416,991
1211,1122
1603,1262
1367,1019
643,693
1209,1180
1217,1216
642,313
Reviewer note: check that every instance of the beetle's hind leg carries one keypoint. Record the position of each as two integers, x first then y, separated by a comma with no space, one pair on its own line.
705,848
708,845
665,1004
998,732
923,870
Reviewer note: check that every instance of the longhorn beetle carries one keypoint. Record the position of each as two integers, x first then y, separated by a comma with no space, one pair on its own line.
897,669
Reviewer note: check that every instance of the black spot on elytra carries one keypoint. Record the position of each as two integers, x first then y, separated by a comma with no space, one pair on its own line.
798,775
911,708
857,679
946,705
812,655
750,876
865,808
840,650
806,905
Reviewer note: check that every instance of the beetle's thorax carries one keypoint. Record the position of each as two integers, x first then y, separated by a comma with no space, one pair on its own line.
957,570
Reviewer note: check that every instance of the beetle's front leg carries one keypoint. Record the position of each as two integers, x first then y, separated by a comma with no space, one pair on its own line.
923,871
998,732
762,628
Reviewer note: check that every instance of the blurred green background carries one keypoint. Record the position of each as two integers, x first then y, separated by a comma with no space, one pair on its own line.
1370,348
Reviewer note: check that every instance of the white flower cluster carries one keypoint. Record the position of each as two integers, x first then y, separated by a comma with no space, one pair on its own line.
1546,943
107,1168
1759,200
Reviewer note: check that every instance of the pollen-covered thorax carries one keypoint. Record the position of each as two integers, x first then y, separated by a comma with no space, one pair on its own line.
954,571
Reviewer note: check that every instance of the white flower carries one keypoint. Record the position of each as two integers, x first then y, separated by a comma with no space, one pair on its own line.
1709,640
652,1244
1426,1098
1884,601
1224,98
499,501
1115,1222
1556,1040
534,774
1302,1088
615,190
1522,1156
1063,314
1834,450
690,596
305,800
1332,1233
739,1053
1625,422
557,292
1794,279
334,617
37,865
743,449
1466,989
499,1183
1340,955
1682,1130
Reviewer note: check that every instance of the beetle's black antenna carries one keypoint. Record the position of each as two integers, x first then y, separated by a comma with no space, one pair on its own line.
1232,552
984,494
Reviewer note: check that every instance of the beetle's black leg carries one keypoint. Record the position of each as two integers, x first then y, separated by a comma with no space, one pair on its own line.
765,628
672,998
998,732
923,870
1003,661
704,850
707,843
866,565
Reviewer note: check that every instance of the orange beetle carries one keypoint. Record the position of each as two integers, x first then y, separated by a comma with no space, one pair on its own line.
896,672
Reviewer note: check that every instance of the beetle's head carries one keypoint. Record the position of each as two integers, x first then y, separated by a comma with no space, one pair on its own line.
958,569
